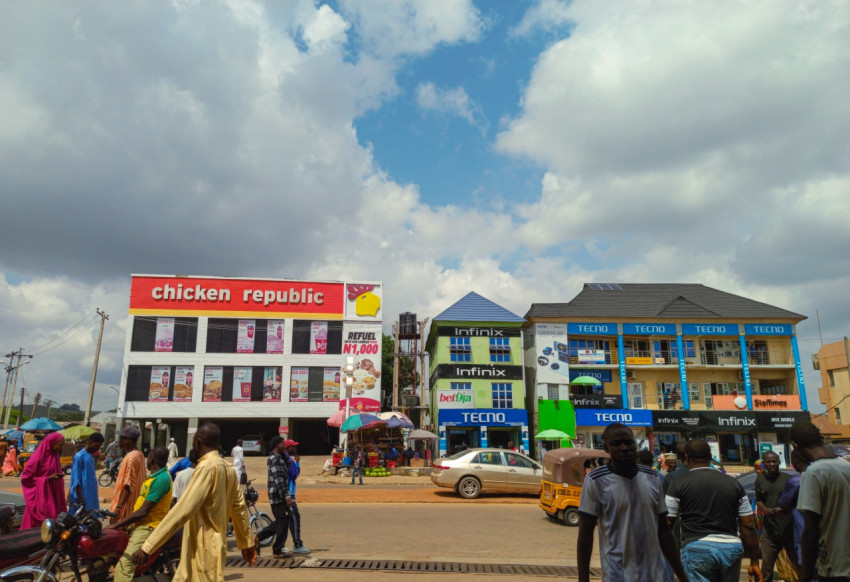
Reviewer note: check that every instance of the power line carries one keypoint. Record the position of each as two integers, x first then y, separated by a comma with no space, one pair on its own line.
67,335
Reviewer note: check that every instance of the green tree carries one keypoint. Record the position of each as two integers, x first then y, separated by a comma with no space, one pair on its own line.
407,369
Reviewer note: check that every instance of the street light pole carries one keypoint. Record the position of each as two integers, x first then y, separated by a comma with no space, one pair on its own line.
348,370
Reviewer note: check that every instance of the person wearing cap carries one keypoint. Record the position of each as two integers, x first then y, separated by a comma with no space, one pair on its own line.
293,469
131,474
172,453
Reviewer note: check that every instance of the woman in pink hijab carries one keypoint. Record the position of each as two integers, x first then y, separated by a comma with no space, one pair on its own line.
44,488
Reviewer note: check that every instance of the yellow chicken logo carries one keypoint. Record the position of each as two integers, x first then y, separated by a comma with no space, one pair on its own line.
367,304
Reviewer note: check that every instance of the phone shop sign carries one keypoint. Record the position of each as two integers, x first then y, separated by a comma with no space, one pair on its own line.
586,417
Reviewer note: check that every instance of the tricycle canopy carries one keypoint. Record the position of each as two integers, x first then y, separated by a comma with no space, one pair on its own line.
567,465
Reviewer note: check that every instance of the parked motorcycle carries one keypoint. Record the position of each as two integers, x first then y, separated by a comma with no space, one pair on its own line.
77,540
109,475
20,547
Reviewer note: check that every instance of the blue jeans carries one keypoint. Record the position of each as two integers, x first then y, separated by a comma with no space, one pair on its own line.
356,471
712,561
295,524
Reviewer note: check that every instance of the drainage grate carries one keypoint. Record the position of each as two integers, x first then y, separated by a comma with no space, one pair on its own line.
414,566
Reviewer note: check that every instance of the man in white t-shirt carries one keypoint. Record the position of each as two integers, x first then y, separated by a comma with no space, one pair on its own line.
627,502
238,460
824,500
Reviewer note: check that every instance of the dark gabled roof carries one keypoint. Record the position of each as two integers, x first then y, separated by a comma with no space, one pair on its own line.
660,301
474,307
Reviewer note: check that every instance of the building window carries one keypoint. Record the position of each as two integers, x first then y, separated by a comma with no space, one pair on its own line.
831,377
306,337
459,349
461,385
636,395
176,334
669,397
694,395
581,345
502,395
500,349
636,348
837,416
757,352
553,391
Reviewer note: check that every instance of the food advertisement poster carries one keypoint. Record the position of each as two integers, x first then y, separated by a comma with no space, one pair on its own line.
330,385
164,334
362,340
553,355
183,383
366,388
241,384
298,381
319,337
159,384
212,383
245,336
274,338
272,380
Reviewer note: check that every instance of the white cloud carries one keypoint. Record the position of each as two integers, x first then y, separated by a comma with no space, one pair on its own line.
453,101
544,15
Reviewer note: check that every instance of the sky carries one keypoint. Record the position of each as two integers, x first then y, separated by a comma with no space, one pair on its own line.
514,148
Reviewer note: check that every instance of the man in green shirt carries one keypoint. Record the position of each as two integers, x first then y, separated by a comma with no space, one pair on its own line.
777,532
153,503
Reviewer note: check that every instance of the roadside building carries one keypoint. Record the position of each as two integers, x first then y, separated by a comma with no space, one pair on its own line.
672,361
831,361
259,357
477,387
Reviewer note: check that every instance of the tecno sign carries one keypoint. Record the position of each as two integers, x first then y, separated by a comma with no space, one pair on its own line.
484,417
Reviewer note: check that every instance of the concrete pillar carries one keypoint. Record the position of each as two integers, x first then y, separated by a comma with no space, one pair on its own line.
190,433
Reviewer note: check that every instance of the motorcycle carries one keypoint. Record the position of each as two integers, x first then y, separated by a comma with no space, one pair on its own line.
20,547
109,475
77,539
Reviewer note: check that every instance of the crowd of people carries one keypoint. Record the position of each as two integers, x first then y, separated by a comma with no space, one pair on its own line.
702,522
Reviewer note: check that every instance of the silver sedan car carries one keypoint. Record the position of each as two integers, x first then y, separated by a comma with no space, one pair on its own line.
475,471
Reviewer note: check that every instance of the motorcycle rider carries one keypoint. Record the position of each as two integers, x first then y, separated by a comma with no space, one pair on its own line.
151,506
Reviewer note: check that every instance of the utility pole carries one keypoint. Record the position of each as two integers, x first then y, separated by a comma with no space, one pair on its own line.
6,385
49,406
21,409
20,353
423,376
103,318
35,404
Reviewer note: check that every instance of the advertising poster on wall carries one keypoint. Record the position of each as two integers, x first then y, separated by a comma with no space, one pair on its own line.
330,386
298,384
274,338
183,378
272,381
159,384
362,340
245,336
241,384
363,300
456,398
319,337
592,357
212,383
553,355
164,334
367,380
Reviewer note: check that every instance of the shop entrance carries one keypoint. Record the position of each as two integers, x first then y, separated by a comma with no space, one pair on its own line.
500,437
461,439
735,448
665,442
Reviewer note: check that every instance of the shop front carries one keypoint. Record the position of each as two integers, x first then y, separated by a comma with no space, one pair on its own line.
735,437
475,427
591,423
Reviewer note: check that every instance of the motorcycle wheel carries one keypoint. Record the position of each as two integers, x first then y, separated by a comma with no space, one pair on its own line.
105,479
258,523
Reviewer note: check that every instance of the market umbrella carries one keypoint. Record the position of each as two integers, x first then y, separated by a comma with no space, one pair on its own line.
77,432
552,434
40,423
14,435
585,381
396,419
419,434
338,417
360,421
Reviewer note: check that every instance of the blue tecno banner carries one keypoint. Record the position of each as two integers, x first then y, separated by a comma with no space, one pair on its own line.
767,329
585,417
592,329
484,417
709,329
601,375
649,329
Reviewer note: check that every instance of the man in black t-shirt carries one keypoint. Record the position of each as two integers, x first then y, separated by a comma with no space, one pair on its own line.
777,531
712,508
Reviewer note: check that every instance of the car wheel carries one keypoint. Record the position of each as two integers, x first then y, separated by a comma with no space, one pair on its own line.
469,488
571,517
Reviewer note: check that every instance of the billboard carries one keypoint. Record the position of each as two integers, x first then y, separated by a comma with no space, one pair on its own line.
552,351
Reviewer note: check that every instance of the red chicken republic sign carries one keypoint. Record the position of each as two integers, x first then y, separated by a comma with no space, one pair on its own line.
235,297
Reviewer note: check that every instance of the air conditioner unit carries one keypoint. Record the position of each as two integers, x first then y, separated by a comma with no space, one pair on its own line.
631,374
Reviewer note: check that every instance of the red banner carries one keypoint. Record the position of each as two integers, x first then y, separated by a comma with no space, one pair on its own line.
235,297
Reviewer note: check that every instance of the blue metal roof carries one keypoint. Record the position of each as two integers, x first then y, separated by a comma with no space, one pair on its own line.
474,307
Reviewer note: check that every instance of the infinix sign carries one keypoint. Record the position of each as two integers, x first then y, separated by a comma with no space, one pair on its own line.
474,372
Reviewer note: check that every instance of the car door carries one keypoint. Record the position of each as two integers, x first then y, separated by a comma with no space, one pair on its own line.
523,474
489,467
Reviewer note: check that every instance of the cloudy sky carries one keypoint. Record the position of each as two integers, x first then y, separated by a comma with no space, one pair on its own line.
515,148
